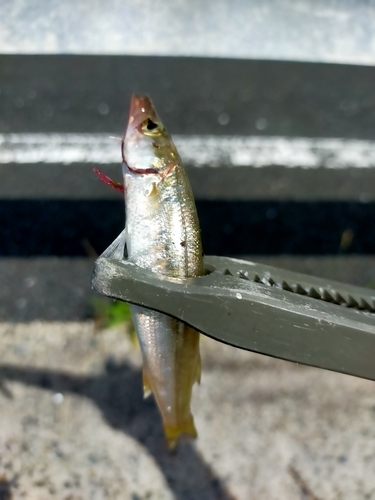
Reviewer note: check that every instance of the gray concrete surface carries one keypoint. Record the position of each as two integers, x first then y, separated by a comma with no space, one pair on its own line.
240,183
60,166
74,424
89,94
309,30
49,289
273,183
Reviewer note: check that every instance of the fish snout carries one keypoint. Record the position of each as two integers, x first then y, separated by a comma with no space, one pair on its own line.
141,109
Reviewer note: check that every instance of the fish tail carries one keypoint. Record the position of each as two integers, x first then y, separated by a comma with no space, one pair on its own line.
173,432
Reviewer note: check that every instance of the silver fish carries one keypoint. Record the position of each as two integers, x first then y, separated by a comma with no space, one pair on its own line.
163,236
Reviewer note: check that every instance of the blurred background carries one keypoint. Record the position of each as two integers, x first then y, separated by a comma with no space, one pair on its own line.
272,106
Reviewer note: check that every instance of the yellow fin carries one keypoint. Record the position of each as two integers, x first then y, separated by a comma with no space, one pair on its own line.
173,432
198,371
146,384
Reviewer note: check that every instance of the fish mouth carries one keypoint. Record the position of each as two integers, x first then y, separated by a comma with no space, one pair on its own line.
141,108
142,114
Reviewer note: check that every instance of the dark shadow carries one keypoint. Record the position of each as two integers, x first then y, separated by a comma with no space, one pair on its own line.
119,395
60,227
6,486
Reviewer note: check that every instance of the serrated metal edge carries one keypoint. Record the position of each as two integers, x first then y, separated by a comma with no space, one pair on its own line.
331,296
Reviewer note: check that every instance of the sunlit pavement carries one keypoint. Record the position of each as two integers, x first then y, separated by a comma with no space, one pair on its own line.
74,424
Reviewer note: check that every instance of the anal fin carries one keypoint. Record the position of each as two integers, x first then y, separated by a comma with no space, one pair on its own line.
146,384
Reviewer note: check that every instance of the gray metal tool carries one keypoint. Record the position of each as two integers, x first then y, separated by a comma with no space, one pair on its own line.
256,307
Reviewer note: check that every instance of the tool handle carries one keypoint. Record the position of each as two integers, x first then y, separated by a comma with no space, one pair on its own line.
246,305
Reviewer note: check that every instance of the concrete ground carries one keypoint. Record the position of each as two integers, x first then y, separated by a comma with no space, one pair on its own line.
74,424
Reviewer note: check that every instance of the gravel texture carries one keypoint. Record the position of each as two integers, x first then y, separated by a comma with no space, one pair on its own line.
74,424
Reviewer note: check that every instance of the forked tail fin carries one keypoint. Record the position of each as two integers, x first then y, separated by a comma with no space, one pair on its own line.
173,432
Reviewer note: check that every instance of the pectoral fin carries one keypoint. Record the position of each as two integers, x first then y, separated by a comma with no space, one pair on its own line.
151,190
117,249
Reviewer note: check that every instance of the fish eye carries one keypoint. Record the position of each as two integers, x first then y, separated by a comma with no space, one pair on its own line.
151,128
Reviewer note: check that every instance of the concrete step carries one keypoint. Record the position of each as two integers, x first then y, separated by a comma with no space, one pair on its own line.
280,156
78,93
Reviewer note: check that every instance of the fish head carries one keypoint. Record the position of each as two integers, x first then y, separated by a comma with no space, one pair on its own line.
147,148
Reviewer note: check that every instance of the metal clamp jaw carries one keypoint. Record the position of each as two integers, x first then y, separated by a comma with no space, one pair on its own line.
256,307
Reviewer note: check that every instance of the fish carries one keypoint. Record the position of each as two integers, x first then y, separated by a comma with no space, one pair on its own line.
162,235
